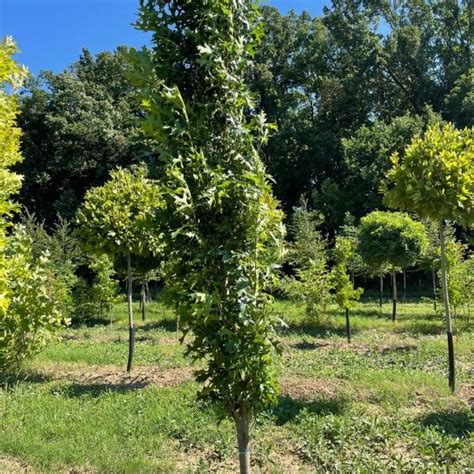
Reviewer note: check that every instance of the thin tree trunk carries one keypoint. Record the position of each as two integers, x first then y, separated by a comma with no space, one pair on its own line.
449,330
177,328
148,293
353,278
131,328
394,295
435,289
381,290
143,301
348,326
404,286
242,423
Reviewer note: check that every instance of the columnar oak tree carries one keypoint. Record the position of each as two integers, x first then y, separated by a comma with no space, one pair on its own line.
224,237
435,179
346,295
391,239
118,218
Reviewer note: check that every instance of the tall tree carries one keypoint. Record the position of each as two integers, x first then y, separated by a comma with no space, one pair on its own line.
224,236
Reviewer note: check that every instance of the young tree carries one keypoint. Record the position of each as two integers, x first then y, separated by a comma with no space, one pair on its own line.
391,239
345,293
28,313
307,254
224,237
119,218
435,180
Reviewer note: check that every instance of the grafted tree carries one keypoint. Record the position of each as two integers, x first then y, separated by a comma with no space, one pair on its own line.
118,218
393,240
434,178
224,237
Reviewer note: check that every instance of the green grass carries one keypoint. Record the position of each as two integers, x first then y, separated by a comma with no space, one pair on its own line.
380,404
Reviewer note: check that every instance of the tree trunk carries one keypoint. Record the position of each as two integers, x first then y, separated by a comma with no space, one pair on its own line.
177,328
143,301
242,423
394,295
348,326
435,289
404,286
353,278
449,330
131,328
148,293
381,290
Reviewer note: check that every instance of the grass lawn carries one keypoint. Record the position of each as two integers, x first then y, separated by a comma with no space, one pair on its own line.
380,404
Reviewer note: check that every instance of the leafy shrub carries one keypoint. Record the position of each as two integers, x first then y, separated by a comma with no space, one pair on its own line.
32,315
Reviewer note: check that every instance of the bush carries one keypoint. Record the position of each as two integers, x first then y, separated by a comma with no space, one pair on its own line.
32,316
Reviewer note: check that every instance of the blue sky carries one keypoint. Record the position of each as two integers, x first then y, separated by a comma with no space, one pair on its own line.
51,33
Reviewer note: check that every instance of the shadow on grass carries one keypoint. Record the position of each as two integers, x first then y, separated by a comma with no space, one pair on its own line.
454,423
165,325
419,327
289,408
319,330
89,322
97,390
399,349
8,381
307,346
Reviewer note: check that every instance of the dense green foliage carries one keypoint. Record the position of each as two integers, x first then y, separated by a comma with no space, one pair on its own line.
78,126
391,239
375,65
345,294
224,228
307,254
119,217
435,176
345,90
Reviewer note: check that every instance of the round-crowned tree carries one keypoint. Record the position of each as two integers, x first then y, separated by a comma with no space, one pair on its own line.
393,240
225,230
435,179
118,218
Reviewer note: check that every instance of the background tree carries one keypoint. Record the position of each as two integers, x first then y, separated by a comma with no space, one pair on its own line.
78,125
391,239
321,79
307,257
224,236
345,293
435,179
119,218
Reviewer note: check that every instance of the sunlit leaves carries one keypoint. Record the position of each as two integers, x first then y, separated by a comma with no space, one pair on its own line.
224,236
390,239
434,177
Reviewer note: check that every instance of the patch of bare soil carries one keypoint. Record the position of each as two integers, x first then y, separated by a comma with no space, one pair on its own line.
9,465
300,388
140,377
466,393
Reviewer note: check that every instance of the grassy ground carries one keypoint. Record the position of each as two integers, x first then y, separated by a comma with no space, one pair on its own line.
380,404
